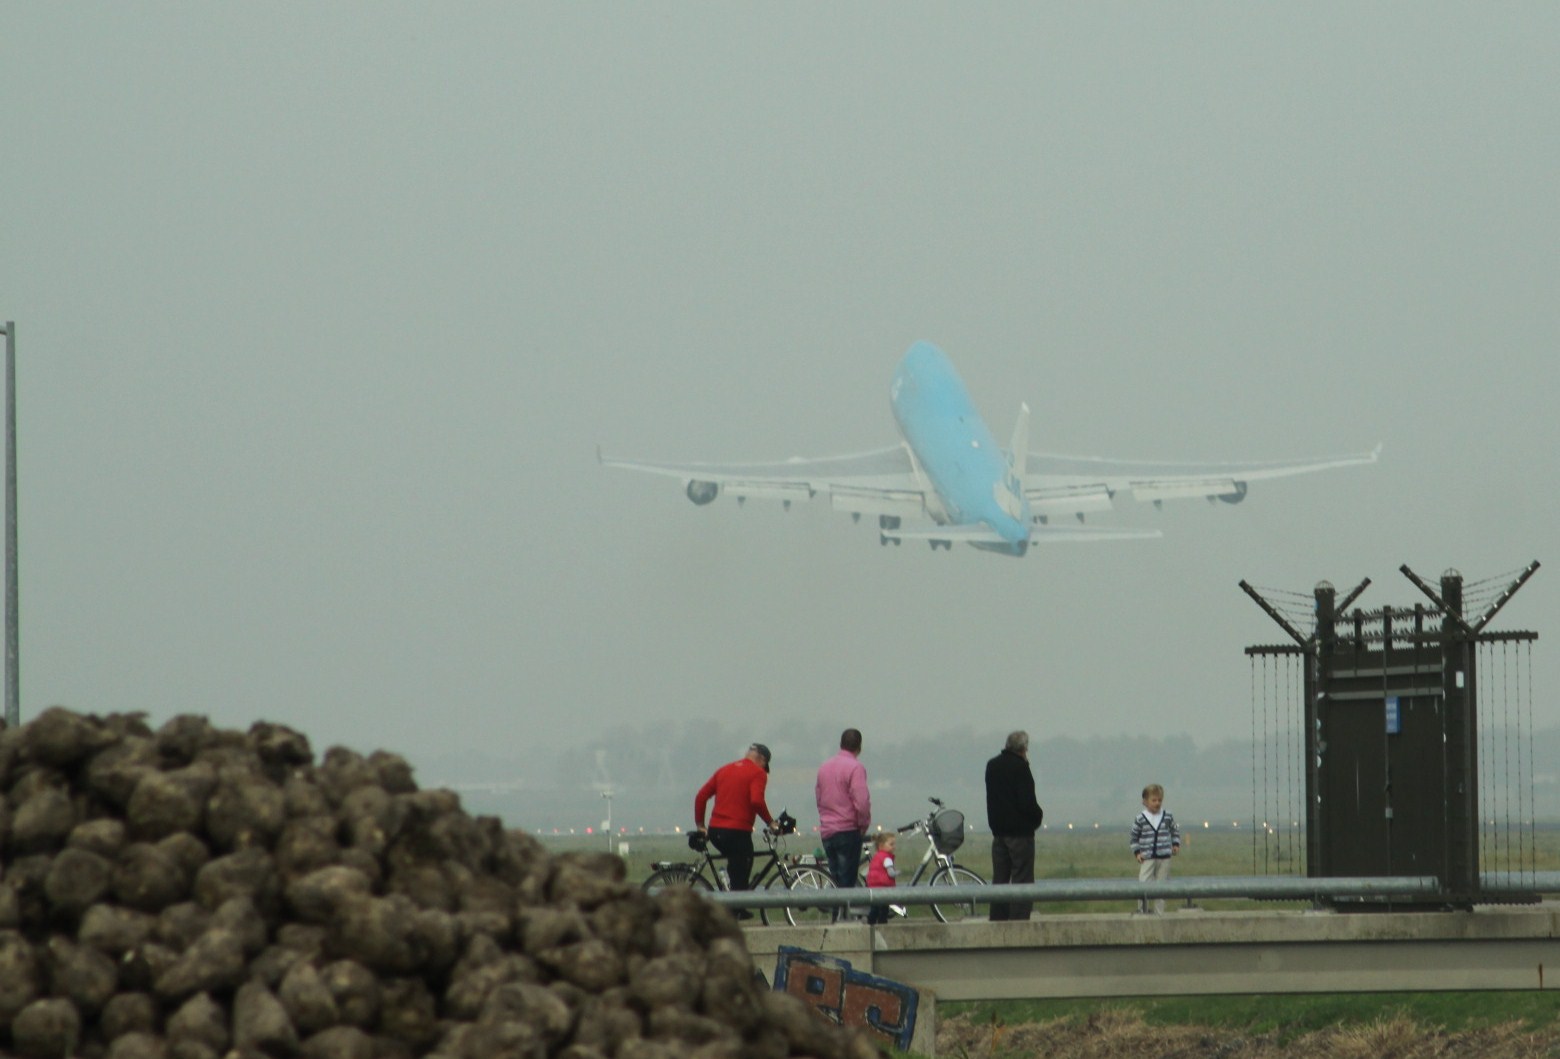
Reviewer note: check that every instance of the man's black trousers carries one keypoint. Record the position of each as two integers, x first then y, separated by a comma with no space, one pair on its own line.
737,847
1012,861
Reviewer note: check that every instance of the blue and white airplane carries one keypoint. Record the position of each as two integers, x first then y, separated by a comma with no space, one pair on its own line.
949,475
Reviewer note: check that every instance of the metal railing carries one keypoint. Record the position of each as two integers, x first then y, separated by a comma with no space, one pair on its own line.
1292,888
1527,882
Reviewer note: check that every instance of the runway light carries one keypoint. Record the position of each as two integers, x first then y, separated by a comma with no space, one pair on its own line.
1205,825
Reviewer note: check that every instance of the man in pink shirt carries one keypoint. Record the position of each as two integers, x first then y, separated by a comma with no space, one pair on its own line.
844,808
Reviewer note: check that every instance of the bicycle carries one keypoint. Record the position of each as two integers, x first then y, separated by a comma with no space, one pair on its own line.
944,831
778,871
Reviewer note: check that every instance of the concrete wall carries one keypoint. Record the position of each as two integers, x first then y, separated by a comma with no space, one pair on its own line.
1195,952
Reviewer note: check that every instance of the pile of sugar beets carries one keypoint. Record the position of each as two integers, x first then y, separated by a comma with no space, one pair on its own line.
194,893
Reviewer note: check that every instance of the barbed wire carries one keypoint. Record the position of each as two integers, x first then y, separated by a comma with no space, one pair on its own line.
1266,591
1506,579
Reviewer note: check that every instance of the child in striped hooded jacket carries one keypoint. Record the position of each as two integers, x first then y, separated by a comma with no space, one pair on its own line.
1155,839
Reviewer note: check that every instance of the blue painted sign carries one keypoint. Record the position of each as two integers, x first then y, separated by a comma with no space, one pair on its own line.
838,993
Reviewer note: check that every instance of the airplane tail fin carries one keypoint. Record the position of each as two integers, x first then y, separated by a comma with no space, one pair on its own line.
1018,453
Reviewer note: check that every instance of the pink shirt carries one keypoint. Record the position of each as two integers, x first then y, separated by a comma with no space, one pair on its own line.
843,801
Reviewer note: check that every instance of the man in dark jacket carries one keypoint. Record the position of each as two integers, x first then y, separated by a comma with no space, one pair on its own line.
1014,816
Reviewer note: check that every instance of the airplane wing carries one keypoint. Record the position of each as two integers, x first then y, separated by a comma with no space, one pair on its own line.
967,533
1057,534
982,534
1077,485
881,482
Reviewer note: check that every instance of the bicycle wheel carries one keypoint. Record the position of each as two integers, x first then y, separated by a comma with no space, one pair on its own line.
800,881
955,912
774,884
677,877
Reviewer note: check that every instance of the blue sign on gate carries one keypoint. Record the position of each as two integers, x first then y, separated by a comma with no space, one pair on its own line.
1394,718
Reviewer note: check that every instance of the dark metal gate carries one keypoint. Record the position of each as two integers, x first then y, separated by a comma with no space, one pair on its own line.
1390,733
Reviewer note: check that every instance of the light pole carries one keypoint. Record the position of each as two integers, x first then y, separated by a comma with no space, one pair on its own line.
13,681
606,825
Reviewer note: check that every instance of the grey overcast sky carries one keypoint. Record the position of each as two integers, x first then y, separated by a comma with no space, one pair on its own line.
324,309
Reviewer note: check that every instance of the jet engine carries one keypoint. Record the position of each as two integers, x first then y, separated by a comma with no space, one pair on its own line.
1237,496
702,493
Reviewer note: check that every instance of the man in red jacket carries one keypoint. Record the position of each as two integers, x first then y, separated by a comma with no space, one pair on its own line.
738,789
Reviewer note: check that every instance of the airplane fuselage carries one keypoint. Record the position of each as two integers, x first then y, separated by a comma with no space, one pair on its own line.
954,449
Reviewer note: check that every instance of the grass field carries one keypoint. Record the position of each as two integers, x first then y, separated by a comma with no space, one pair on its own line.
1384,1026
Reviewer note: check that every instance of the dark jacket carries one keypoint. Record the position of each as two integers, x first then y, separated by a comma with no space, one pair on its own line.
1011,808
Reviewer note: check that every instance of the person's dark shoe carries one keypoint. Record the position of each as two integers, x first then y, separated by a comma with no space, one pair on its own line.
743,913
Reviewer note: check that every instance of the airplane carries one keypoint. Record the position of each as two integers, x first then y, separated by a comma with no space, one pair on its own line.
950,476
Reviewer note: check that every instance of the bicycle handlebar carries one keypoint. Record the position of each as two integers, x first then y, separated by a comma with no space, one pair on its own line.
924,824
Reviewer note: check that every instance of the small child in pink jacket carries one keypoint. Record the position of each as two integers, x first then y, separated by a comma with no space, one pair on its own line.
881,872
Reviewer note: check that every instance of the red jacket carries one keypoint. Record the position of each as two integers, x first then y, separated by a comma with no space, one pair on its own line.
881,872
739,795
